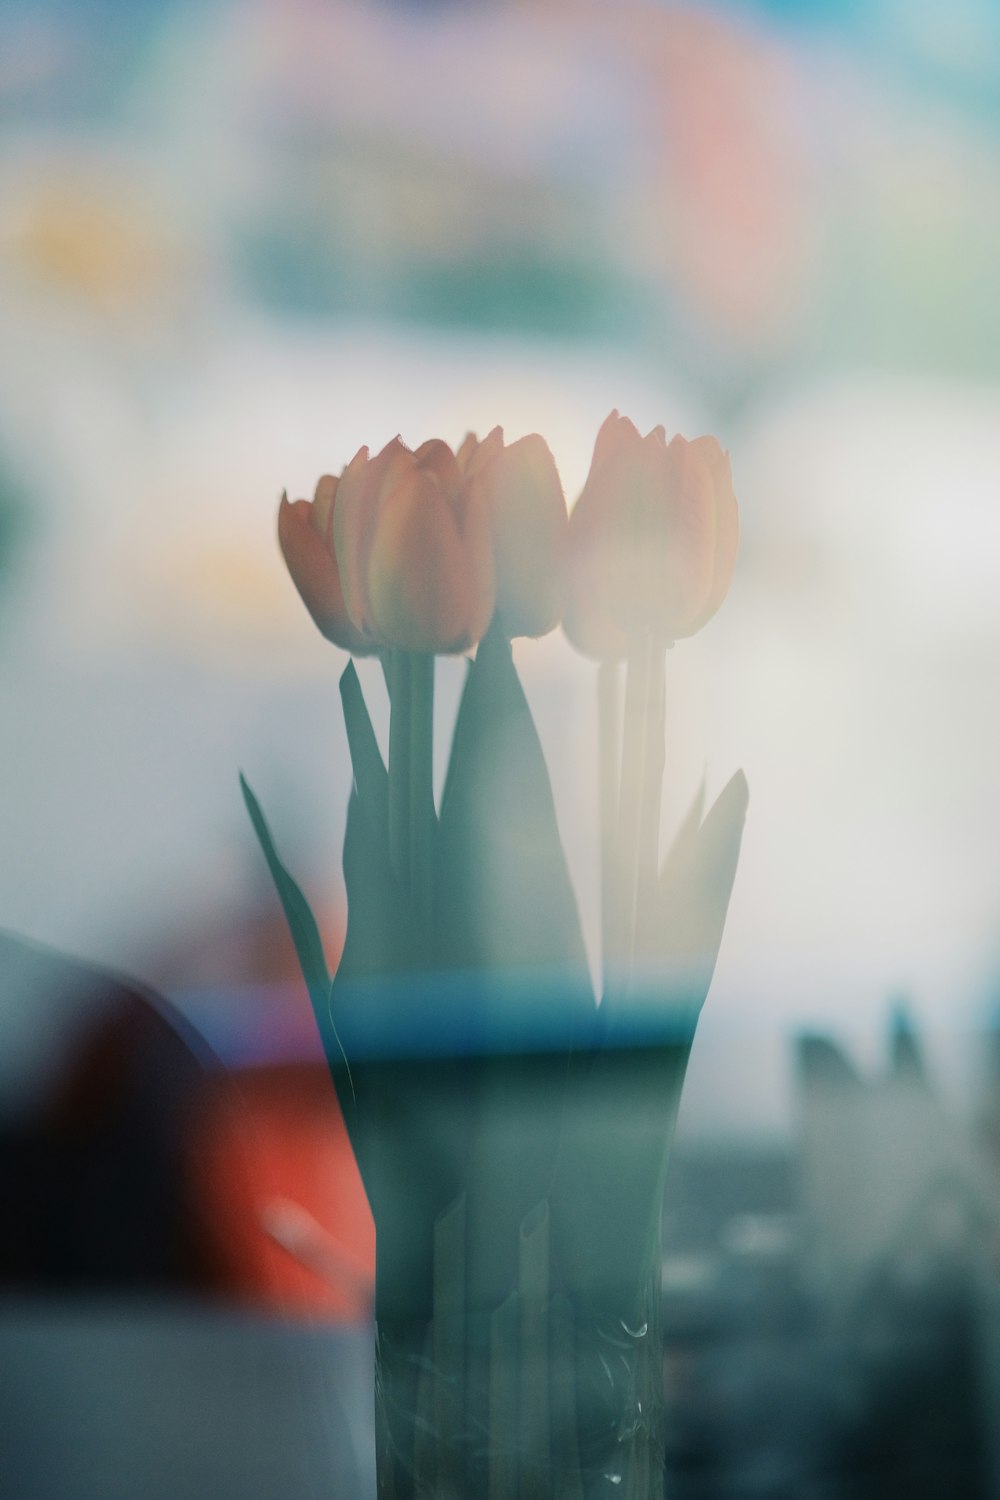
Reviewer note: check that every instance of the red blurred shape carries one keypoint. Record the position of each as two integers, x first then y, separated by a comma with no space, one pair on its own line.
275,1168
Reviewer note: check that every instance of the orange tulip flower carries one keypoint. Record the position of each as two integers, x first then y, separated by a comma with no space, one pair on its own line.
413,548
520,488
305,534
652,539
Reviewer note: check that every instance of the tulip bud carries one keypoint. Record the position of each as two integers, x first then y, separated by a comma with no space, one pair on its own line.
414,550
653,539
305,535
520,488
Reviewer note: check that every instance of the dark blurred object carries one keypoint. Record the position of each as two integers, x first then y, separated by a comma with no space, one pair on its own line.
913,1426
93,1167
133,1161
135,1175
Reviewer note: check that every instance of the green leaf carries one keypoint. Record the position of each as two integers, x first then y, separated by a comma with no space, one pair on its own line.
382,939
410,1128
695,888
301,922
623,1103
370,775
506,918
687,834
312,961
505,899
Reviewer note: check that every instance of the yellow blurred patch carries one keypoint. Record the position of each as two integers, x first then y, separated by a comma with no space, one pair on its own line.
95,244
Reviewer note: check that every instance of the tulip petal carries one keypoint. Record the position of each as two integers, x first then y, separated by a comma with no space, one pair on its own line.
480,565
616,435
634,489
360,495
466,450
435,457
349,518
484,453
727,527
662,542
322,508
587,620
652,538
523,496
689,547
314,572
422,585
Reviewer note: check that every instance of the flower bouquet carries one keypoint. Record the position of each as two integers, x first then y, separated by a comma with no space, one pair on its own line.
511,1132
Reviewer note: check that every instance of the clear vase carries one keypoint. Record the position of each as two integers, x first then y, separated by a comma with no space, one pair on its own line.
541,1397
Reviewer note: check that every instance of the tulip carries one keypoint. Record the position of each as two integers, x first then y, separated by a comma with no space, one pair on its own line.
413,548
520,489
305,535
653,539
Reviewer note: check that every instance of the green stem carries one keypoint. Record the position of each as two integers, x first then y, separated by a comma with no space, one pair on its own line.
607,714
422,785
503,1397
565,1439
533,1384
399,767
648,851
449,1346
641,786
635,739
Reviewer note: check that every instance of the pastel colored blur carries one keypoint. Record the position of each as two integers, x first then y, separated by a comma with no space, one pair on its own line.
652,539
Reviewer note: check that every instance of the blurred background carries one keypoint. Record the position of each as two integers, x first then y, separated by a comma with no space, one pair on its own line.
237,242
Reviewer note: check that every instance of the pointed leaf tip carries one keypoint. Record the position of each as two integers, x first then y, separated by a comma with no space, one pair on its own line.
298,914
736,793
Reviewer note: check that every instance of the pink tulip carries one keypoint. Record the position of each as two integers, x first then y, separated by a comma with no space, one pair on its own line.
652,539
519,487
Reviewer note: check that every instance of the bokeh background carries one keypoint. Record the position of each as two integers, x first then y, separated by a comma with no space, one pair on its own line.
238,241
